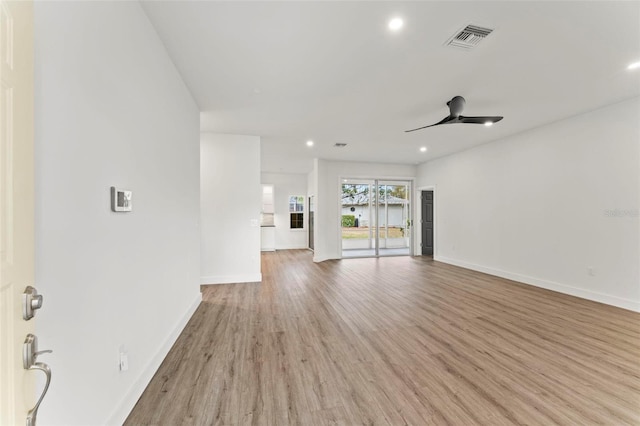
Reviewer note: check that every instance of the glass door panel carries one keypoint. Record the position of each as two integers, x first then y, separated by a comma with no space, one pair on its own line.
358,221
394,232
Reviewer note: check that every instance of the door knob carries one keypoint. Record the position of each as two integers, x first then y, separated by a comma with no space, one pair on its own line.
31,301
29,354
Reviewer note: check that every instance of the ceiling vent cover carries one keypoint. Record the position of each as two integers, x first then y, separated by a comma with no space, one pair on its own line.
468,37
340,145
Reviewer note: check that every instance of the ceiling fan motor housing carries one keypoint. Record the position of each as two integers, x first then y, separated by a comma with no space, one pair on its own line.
456,106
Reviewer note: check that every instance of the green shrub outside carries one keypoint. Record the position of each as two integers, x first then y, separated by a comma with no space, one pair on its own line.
348,221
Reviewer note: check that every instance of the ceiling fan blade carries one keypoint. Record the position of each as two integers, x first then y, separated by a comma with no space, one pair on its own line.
420,128
479,120
445,120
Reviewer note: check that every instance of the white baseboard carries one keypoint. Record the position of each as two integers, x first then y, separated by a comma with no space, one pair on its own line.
318,259
231,279
549,285
124,407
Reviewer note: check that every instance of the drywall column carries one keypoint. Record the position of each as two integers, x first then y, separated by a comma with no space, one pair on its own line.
111,110
230,204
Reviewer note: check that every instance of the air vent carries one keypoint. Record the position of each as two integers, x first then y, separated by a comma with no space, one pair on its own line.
468,37
340,145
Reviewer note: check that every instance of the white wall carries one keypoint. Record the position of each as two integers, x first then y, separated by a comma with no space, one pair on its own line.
286,185
327,175
230,203
110,110
543,206
312,179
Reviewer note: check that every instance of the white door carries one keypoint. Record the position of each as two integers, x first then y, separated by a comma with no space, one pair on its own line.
17,393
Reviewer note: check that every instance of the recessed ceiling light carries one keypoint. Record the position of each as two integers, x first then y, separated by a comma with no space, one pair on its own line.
395,24
488,123
309,143
423,149
634,66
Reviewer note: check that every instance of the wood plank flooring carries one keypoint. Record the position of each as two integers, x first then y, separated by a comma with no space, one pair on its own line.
396,341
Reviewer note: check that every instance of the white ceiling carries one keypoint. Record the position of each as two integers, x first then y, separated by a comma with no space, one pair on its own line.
333,72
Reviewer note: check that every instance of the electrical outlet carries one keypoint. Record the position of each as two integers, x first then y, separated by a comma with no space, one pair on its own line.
124,361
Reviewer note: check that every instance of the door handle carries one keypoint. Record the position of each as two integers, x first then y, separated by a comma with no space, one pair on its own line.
29,355
31,301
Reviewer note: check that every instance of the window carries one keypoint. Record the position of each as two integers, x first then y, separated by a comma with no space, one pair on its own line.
296,207
297,221
296,203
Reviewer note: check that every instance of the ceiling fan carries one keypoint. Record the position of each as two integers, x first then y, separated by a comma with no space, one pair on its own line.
456,105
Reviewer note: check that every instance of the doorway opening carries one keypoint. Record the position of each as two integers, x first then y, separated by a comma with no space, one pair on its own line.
375,218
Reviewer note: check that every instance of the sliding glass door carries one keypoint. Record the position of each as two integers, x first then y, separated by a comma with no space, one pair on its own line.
375,217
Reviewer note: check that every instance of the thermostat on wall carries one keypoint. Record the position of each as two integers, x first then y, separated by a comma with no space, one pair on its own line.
121,200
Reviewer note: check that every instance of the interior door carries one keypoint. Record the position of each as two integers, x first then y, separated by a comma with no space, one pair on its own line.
427,223
17,393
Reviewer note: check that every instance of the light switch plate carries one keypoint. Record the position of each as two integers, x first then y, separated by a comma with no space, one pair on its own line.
121,200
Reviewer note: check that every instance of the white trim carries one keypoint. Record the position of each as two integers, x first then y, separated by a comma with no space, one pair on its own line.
126,404
292,247
317,259
339,216
631,305
231,279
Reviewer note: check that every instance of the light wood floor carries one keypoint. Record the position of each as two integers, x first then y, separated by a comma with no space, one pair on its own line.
396,340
